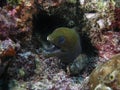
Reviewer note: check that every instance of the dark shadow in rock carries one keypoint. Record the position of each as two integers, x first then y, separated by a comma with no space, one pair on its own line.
44,24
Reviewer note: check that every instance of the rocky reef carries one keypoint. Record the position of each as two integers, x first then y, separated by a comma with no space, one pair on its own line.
24,27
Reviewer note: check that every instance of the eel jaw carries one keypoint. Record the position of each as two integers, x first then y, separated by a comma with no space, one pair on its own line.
51,49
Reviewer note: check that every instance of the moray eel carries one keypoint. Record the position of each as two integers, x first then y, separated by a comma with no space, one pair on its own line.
66,45
107,75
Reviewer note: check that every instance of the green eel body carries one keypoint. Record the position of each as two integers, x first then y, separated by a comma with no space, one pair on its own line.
67,47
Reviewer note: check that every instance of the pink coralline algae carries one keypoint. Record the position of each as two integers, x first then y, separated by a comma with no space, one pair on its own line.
110,45
8,25
12,12
16,22
110,38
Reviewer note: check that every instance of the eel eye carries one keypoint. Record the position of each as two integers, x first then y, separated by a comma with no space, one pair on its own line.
111,77
61,40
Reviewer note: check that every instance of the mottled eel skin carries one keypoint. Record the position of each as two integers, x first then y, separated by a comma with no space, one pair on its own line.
67,47
107,75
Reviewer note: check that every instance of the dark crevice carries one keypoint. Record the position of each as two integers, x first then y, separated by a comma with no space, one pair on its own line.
44,24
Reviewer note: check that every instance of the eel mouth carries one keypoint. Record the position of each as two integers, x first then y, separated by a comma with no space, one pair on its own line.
51,48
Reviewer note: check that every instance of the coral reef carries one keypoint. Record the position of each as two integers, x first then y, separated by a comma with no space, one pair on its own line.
103,29
116,23
7,48
24,26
